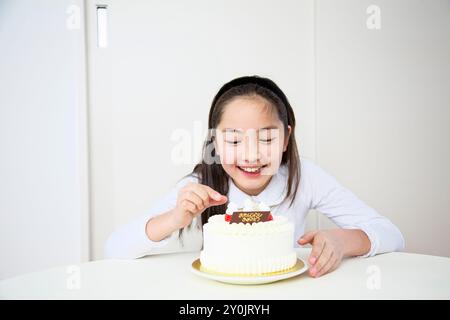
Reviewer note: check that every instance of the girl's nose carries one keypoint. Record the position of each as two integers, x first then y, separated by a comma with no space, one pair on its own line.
251,150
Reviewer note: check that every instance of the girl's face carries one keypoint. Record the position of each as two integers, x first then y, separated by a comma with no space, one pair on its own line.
250,142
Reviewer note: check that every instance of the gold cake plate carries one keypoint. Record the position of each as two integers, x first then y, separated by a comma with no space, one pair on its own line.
297,269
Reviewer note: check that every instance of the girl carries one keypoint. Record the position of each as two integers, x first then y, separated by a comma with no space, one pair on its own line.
251,152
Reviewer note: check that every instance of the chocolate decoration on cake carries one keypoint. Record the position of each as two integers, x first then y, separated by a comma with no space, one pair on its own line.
250,217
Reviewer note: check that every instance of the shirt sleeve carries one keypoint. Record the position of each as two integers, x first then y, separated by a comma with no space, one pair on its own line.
345,209
130,241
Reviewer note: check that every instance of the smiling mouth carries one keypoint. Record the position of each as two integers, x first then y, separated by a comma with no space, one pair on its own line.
253,169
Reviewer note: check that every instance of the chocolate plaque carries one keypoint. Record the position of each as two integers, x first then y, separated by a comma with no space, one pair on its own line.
249,216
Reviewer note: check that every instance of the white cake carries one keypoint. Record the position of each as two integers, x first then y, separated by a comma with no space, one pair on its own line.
247,249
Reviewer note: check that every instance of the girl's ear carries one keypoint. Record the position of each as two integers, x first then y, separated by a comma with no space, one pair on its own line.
286,139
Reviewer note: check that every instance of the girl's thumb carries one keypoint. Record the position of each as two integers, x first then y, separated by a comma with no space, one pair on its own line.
307,237
213,194
218,201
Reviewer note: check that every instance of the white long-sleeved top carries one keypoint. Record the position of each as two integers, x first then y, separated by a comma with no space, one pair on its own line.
317,190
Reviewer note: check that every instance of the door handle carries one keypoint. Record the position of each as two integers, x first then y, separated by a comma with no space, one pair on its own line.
102,26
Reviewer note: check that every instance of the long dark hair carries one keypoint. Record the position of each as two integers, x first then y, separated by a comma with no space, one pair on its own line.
213,174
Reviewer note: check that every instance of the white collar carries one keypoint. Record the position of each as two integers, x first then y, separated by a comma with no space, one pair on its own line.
272,195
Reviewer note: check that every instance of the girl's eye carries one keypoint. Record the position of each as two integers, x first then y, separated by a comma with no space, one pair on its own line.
267,136
233,142
267,140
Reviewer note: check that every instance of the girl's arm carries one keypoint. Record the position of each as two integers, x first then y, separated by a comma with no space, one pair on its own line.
329,247
161,226
346,210
136,239
177,210
192,200
363,231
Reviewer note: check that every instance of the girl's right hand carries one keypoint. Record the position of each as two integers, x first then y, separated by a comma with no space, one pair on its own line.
192,200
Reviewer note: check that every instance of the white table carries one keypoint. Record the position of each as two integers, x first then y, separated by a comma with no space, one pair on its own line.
387,276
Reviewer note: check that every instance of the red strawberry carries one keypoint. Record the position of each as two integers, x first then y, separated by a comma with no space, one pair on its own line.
269,218
227,217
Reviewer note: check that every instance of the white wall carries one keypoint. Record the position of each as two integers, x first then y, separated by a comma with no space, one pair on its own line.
42,158
383,111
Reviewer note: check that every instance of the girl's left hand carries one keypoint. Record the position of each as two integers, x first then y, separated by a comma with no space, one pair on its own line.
327,251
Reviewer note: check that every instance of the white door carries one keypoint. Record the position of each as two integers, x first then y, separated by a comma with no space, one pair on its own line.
156,71
43,162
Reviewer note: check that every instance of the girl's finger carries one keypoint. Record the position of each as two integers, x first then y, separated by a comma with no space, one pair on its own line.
223,200
195,199
214,195
189,206
317,248
322,261
307,237
202,194
327,267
